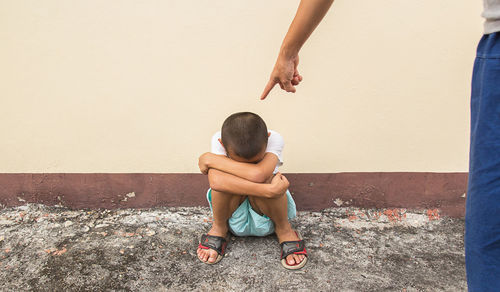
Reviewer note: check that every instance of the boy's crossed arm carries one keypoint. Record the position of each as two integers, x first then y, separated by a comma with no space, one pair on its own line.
227,175
228,183
256,172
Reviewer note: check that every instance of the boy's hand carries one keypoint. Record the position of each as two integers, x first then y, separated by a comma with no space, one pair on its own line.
279,185
203,162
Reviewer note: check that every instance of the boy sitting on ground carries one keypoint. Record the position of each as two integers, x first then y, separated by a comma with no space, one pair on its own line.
247,195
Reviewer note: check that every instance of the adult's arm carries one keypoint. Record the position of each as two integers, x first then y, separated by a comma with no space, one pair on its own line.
228,183
308,16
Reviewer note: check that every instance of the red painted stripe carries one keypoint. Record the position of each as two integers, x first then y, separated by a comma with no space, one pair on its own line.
311,191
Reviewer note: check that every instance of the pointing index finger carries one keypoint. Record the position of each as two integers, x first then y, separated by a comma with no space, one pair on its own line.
268,89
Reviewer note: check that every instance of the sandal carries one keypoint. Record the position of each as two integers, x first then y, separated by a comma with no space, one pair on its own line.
216,243
293,247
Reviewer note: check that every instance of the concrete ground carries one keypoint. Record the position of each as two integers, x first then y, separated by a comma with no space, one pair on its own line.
54,249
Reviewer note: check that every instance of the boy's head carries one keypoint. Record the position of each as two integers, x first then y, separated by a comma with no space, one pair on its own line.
244,135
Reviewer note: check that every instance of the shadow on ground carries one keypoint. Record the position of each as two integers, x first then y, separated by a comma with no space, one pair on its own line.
53,249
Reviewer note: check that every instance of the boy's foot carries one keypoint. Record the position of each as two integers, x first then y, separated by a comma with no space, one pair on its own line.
293,260
215,239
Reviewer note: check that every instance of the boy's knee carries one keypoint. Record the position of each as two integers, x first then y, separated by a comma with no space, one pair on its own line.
228,196
222,194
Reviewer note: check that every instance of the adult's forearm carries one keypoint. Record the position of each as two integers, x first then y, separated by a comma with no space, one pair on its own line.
308,16
228,183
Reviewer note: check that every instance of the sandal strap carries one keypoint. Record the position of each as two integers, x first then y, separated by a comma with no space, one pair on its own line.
292,247
216,243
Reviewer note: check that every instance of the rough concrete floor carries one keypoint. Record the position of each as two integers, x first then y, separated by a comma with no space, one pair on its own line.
54,249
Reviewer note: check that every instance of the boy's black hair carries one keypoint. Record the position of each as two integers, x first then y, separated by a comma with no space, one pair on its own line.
245,134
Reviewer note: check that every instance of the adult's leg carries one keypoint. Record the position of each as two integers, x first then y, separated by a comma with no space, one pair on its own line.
277,210
223,206
482,219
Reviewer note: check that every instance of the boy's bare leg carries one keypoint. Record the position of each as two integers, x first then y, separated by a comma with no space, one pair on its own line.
223,206
277,210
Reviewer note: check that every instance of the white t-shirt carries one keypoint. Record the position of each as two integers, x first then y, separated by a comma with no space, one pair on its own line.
275,145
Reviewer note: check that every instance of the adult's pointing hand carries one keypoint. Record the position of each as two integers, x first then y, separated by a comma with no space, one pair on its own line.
285,74
308,16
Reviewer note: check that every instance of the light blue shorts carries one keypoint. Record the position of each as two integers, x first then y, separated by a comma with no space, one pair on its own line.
246,222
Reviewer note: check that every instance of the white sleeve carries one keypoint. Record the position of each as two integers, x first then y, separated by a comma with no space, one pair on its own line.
217,147
275,145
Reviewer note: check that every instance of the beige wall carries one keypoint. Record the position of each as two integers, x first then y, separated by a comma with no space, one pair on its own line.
140,86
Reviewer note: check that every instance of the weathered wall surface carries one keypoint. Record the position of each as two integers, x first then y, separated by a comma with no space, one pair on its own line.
132,87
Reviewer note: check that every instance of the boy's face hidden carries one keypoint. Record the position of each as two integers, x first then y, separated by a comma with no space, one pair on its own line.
256,159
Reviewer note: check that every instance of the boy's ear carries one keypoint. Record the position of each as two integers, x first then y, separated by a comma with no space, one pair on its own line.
268,134
220,141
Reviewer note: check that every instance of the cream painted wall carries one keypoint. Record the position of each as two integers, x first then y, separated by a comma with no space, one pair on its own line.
140,86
